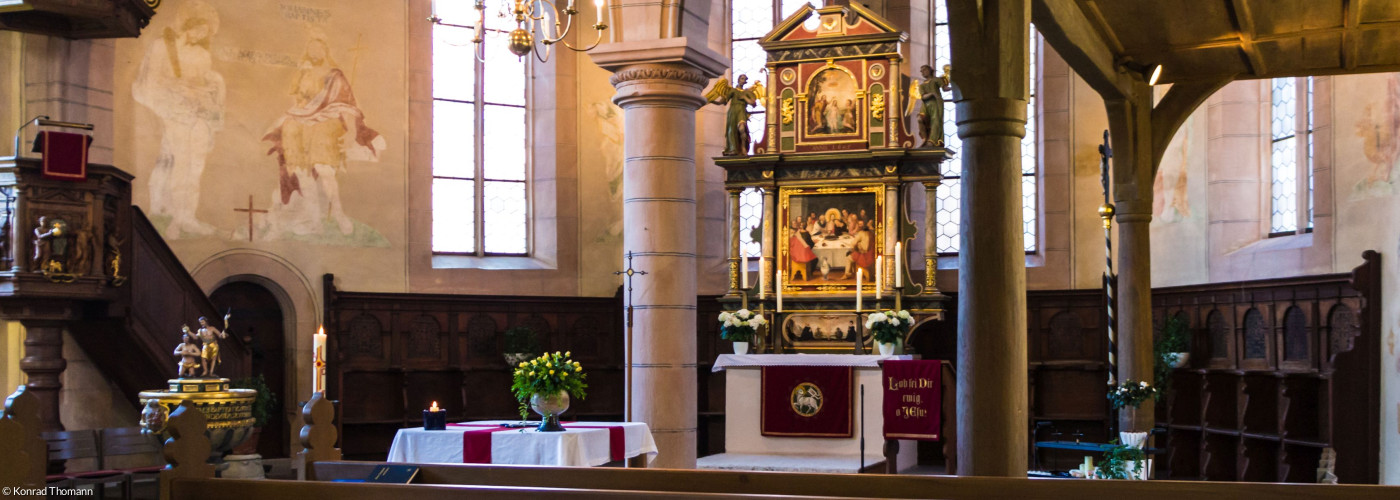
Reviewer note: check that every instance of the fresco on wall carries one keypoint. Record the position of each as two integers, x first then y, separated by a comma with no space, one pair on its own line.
607,122
270,108
1170,202
1379,130
316,138
178,83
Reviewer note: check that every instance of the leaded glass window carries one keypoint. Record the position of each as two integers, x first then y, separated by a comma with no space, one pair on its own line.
750,218
481,202
949,193
1290,156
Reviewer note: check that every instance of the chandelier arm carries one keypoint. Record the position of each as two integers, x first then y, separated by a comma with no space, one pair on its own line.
559,35
545,57
601,28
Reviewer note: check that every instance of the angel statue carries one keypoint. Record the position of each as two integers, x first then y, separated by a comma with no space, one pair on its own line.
736,122
928,97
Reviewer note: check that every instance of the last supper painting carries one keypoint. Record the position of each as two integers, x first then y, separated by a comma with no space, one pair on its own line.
833,104
828,234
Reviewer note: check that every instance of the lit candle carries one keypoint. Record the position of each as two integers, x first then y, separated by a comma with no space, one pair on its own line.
744,274
318,349
898,267
434,407
879,275
434,15
780,292
859,284
599,5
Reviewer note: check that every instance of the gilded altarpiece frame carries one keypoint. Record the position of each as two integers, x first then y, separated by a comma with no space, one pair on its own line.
849,233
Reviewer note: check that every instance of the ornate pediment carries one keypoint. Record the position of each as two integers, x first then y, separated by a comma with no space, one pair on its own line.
836,25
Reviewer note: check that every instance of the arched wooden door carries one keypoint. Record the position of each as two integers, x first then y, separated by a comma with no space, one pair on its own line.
258,320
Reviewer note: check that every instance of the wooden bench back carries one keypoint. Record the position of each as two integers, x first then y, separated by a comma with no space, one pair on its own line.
848,485
129,442
235,489
72,445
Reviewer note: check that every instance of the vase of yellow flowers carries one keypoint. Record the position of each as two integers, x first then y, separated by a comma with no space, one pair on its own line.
546,384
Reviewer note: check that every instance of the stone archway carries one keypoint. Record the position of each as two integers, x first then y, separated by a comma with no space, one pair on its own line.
258,318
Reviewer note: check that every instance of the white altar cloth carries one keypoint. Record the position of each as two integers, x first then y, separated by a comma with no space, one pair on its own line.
575,447
743,438
760,360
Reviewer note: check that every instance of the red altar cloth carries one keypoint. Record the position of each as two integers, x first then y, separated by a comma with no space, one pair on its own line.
807,401
913,401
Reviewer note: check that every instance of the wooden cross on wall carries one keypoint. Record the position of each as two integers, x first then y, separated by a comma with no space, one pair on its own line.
251,211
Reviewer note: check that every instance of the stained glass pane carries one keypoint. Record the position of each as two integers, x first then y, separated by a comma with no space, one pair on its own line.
504,225
454,68
756,125
454,229
504,80
752,18
1028,210
460,12
949,215
1284,113
750,217
1310,152
505,150
1285,186
1028,142
749,60
790,6
453,139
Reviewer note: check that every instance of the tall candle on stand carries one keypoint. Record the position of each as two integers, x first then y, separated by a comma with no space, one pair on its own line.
879,275
744,274
599,5
859,283
780,292
318,350
898,266
762,288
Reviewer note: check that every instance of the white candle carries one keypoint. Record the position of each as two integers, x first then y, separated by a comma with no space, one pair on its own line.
859,284
898,266
434,13
318,349
744,274
762,278
879,275
780,292
599,5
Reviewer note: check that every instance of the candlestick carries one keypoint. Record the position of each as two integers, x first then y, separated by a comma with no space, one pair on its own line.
899,266
318,352
599,5
859,284
879,275
744,274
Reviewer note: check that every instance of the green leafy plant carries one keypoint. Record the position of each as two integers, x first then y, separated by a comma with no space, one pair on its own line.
1175,338
889,327
264,404
548,374
1131,393
739,326
1115,461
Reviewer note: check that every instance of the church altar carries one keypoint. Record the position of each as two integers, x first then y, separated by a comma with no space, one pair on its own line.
582,444
746,448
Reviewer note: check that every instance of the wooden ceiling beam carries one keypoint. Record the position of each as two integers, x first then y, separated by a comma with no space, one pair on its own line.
1351,38
1073,36
1245,22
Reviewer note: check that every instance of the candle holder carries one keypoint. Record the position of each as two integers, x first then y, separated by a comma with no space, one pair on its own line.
434,420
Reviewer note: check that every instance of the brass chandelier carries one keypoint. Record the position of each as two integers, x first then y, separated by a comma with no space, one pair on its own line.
532,20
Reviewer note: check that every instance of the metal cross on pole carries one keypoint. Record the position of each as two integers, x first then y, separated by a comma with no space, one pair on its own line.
627,357
1106,212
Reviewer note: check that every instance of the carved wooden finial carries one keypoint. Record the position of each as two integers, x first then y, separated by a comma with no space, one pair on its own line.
187,450
22,410
318,435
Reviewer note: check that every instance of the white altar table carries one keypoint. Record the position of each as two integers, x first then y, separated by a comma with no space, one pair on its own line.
743,440
582,444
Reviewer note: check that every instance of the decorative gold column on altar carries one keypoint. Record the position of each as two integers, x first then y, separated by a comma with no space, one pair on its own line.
931,234
769,229
735,253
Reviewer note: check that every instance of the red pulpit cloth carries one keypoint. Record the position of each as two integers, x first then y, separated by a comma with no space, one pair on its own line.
807,401
65,155
913,399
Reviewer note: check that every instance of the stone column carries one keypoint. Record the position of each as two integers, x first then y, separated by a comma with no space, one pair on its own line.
990,57
931,236
770,235
43,363
1130,124
659,102
735,252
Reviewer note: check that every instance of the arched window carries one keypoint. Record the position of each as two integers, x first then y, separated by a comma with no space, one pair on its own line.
950,192
750,20
481,203
1291,156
